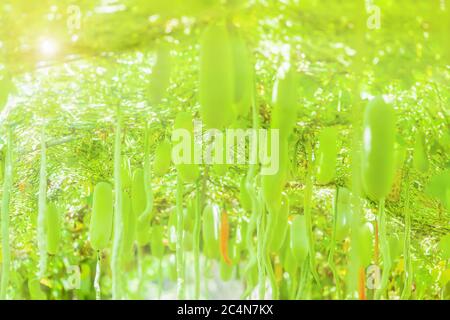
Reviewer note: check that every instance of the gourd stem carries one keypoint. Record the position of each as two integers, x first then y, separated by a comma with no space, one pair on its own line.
198,210
406,292
98,295
267,260
118,220
7,184
160,280
179,244
384,250
331,262
260,252
304,274
42,244
307,210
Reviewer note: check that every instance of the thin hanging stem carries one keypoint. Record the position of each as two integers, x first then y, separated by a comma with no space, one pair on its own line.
198,208
179,244
406,293
118,221
331,262
384,250
42,244
98,295
7,184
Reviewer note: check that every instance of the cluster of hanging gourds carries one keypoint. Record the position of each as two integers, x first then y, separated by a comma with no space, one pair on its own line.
270,243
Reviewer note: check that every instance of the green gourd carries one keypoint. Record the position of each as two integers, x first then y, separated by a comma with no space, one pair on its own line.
189,216
395,246
280,226
172,230
343,217
225,270
102,216
161,164
156,243
243,73
420,158
327,155
284,98
138,204
211,228
216,77
444,247
188,241
53,228
289,262
160,76
378,163
125,173
187,170
34,288
299,238
364,243
273,184
129,227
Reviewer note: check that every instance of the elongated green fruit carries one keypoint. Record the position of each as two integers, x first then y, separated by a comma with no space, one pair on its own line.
172,230
327,155
243,73
160,77
125,173
420,158
343,214
226,270
53,228
378,156
211,228
102,216
299,238
156,243
444,247
364,244
161,164
129,227
284,98
288,261
34,288
280,227
216,77
138,200
273,184
184,150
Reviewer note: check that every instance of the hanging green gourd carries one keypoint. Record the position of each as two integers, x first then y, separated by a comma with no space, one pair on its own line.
420,157
172,230
211,230
343,213
53,228
188,171
243,73
102,216
156,243
273,184
299,238
188,241
364,244
162,162
129,228
395,246
216,77
138,205
160,76
281,225
225,270
125,171
35,291
327,155
378,156
189,216
284,98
